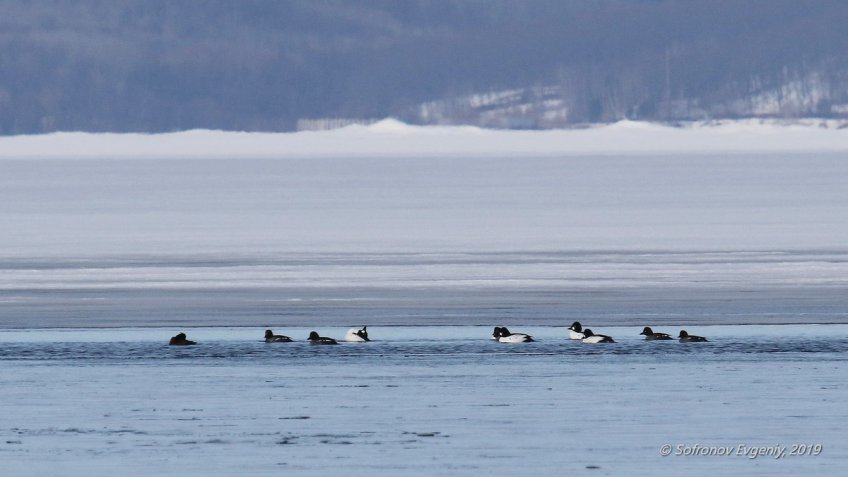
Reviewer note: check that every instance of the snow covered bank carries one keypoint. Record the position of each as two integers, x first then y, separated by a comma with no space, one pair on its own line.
390,138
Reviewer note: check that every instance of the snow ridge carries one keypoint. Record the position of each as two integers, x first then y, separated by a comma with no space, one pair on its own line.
393,138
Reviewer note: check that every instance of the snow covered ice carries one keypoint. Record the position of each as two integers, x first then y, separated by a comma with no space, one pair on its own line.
430,237
391,138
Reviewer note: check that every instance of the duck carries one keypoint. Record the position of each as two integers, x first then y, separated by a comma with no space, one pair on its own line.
650,335
590,337
503,335
576,331
357,336
180,340
315,339
685,337
270,337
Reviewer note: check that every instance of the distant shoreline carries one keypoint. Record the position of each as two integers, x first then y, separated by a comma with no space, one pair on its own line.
391,138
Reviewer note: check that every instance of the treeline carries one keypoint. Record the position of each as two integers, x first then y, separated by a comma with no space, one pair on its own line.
157,65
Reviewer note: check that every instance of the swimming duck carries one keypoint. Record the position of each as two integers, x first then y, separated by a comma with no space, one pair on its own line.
687,338
650,335
590,337
315,339
576,331
503,335
357,336
270,337
180,340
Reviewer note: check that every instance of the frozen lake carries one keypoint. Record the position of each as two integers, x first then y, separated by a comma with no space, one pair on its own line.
335,289
102,260
247,207
420,401
620,239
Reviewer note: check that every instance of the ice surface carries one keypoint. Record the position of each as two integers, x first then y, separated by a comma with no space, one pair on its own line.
735,238
242,206
334,289
389,187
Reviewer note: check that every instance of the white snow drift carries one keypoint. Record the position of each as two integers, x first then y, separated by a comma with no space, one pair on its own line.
391,138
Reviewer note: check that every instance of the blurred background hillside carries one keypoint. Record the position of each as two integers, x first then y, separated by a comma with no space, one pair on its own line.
154,65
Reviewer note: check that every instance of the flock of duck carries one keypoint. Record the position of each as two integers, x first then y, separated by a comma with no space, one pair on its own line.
500,334
353,335
577,332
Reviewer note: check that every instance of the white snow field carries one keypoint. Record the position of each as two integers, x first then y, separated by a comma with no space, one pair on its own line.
391,138
110,244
